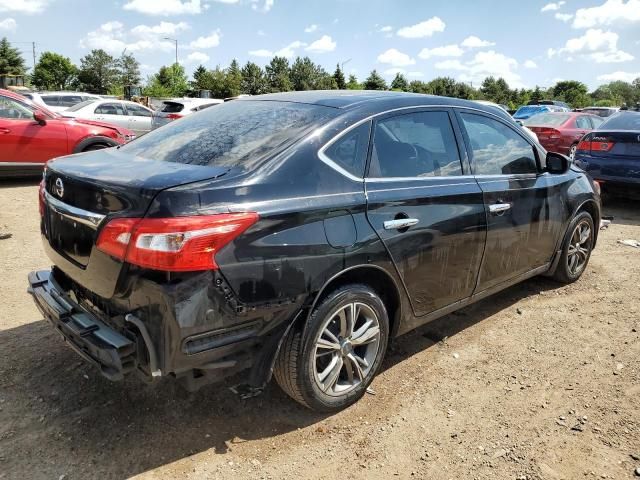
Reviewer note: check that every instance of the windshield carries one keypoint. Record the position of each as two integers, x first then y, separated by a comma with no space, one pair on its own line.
622,121
80,105
529,110
233,134
172,107
547,119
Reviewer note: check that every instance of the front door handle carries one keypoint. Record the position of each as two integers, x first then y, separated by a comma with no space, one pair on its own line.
499,208
400,223
5,130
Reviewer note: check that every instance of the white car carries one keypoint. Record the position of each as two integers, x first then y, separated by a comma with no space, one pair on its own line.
59,101
123,113
179,107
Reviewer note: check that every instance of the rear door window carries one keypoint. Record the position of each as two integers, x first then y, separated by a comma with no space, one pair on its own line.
172,107
583,123
110,109
137,111
420,144
497,149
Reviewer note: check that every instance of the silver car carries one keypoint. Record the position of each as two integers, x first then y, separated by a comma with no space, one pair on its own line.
177,108
123,113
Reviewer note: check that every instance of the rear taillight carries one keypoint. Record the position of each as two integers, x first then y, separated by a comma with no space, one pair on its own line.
173,116
551,133
173,244
596,145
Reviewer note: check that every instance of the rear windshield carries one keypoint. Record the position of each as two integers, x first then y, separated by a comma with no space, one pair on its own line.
530,110
622,121
172,107
238,133
547,119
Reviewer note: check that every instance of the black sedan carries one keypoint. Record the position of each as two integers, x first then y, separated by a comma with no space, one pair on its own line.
294,234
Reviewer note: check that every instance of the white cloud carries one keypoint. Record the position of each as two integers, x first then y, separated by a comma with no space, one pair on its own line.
288,51
385,29
322,45
549,7
210,41
563,17
422,29
24,6
611,12
445,51
197,57
485,64
474,42
266,6
395,58
624,76
530,64
450,65
165,7
114,38
596,45
163,28
394,71
8,24
230,2
311,28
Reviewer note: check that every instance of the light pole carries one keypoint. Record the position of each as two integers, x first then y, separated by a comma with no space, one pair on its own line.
343,64
174,40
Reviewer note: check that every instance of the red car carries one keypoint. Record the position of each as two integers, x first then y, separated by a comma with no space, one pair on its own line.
561,132
30,135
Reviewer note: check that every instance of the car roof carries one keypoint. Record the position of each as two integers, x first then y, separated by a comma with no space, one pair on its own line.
373,99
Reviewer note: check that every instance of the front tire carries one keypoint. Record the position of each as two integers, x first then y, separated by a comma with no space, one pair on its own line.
328,365
576,249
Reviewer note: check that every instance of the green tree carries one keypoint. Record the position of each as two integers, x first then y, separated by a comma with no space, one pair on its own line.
11,61
537,95
128,70
375,82
339,78
233,80
326,82
306,75
400,83
496,90
572,92
199,77
253,80
353,83
169,81
98,72
53,72
417,86
277,74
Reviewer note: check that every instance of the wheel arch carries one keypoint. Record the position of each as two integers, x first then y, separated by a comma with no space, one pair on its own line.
93,140
592,208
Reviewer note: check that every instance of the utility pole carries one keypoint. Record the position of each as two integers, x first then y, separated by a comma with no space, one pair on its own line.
33,44
174,40
175,67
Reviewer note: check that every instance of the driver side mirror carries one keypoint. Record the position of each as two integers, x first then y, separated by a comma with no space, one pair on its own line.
557,163
40,117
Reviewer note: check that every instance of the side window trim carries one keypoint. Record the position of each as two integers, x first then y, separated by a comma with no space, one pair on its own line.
462,154
324,158
467,144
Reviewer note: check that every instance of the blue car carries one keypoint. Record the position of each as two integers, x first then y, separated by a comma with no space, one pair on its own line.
527,111
611,154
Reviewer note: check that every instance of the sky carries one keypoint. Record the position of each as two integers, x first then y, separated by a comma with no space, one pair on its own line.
527,43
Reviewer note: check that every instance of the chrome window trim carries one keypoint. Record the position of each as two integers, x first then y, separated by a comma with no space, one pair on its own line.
325,159
76,214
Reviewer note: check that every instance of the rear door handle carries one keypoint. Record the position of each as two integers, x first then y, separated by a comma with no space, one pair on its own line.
400,223
5,130
499,208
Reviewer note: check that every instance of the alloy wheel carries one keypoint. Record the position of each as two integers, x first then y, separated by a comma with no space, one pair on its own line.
346,348
572,152
579,248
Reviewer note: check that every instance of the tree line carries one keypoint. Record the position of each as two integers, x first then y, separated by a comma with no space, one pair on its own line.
102,73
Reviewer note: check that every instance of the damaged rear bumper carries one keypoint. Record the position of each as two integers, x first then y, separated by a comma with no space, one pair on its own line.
110,351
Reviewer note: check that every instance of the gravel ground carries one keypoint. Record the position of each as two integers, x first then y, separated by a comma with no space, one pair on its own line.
538,382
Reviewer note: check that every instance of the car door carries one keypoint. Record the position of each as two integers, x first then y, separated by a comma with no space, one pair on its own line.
25,141
139,118
524,206
111,112
425,207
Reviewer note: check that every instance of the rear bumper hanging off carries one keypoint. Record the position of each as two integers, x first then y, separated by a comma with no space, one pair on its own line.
113,353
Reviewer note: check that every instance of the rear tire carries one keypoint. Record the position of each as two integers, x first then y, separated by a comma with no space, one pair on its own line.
576,249
328,364
572,151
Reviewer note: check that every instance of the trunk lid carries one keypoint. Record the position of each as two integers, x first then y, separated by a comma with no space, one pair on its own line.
83,192
625,143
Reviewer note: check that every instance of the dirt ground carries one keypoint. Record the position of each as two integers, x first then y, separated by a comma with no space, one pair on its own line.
538,382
